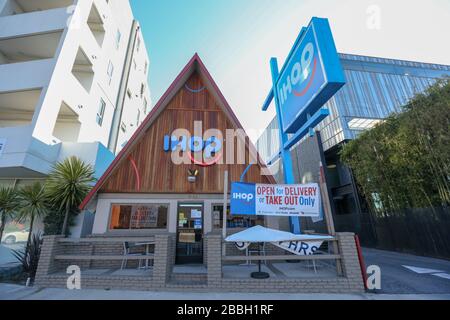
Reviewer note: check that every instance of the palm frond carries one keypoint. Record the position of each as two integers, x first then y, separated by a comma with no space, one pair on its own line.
69,182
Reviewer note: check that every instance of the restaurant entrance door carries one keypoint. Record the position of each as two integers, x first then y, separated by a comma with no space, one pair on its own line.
189,247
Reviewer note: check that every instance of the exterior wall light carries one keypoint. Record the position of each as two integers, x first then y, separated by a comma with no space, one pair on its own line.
192,175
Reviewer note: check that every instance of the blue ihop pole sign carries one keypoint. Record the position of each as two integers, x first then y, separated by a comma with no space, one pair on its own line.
311,75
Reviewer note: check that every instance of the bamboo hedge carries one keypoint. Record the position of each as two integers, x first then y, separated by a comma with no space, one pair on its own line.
404,162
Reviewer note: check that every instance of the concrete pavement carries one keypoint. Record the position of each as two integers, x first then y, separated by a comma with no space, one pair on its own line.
15,292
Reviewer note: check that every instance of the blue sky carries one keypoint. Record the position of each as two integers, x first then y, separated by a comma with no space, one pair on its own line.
236,38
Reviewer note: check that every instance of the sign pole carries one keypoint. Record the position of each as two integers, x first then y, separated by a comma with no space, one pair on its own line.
326,203
328,214
285,152
224,214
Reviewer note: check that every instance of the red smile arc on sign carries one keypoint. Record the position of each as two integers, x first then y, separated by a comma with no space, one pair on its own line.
313,73
205,164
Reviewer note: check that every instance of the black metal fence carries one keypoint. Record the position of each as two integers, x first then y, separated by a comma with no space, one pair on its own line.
418,231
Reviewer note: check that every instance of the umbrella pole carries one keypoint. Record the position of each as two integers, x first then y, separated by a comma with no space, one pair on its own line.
259,274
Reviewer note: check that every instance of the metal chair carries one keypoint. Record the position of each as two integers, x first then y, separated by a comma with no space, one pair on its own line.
127,253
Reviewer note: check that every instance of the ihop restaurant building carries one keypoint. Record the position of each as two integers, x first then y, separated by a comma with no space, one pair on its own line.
374,89
174,212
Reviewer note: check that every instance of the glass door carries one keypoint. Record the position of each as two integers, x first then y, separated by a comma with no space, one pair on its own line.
189,233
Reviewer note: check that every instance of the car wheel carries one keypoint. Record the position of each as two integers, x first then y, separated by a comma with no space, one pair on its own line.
10,240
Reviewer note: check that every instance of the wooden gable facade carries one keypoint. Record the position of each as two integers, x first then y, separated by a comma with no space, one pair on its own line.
147,168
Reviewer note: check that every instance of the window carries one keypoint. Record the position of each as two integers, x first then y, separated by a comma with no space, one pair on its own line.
138,216
138,44
118,38
110,72
234,221
138,118
142,89
101,112
123,127
146,67
145,106
129,94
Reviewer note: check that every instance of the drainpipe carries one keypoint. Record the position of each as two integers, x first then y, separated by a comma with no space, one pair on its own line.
115,126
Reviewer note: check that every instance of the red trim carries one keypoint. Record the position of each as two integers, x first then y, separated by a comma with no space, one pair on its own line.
204,164
159,105
302,93
136,173
361,261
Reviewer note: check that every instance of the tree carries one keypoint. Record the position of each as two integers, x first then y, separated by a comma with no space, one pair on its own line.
68,184
8,205
32,204
404,162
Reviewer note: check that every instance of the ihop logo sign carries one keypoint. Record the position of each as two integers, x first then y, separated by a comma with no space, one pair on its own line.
210,148
243,198
300,75
311,75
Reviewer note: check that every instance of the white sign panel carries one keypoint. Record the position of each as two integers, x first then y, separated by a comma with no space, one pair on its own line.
2,145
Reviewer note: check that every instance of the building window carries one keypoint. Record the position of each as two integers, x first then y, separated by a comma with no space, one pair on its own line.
129,94
142,89
146,67
118,38
110,72
138,118
138,44
145,106
234,221
101,112
138,216
123,127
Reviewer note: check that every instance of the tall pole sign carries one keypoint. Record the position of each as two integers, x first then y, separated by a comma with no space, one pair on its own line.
311,75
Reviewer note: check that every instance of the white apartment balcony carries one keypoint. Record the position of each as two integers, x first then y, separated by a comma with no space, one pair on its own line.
33,23
23,156
15,7
27,62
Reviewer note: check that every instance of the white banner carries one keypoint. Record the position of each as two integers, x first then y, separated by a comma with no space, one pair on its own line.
300,248
287,200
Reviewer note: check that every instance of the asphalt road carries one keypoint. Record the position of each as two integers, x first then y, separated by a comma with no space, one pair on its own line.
396,279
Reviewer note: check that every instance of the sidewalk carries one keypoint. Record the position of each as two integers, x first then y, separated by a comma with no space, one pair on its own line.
15,292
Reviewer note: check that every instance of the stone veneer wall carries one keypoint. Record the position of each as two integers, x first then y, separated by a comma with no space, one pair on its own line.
350,281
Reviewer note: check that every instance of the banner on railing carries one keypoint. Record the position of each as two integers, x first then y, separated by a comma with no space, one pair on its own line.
275,199
300,248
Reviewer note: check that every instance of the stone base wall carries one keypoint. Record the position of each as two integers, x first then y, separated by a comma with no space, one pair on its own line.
51,272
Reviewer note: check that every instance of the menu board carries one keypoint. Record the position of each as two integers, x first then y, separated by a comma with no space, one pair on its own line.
186,237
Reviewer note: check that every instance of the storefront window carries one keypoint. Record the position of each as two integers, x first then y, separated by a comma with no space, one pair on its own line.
138,216
234,221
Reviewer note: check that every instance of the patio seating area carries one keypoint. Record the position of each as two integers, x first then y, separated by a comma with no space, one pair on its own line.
108,263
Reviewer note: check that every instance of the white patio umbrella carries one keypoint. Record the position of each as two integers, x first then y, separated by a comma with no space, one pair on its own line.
281,239
263,234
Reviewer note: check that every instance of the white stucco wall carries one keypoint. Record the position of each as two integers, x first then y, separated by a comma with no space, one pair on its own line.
57,84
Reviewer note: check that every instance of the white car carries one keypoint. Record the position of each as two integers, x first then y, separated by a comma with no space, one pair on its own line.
17,236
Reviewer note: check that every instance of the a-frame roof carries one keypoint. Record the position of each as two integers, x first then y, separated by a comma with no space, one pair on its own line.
194,65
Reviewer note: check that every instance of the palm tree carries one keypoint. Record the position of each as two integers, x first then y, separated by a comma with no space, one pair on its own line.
8,205
32,204
68,184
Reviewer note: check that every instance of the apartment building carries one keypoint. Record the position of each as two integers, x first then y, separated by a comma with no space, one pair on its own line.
73,81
